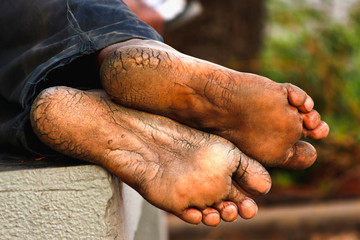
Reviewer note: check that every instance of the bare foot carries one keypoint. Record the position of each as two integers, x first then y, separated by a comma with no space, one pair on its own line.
194,175
262,118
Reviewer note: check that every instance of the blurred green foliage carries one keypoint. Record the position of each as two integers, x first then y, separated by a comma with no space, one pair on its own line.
306,46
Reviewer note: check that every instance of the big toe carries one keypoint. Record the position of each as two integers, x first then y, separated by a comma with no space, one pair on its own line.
301,156
252,177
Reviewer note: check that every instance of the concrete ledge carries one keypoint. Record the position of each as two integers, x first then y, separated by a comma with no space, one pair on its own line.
74,202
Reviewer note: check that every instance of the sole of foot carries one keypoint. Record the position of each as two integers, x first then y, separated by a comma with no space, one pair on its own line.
262,118
194,175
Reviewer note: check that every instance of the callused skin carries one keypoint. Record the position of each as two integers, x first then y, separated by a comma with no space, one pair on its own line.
195,175
191,174
262,118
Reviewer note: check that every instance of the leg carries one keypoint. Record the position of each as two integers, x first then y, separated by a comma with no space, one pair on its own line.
263,118
191,174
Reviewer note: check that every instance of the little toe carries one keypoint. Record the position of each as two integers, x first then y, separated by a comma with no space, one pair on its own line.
228,211
320,132
311,119
302,155
192,216
247,208
211,217
252,177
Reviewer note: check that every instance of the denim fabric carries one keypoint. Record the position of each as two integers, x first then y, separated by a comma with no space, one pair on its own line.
40,38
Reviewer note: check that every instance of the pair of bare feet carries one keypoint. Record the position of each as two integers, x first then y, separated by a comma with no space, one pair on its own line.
196,175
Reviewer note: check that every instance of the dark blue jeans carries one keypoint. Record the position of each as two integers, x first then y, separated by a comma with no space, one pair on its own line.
47,43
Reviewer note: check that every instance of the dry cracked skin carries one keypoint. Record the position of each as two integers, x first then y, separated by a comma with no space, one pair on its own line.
190,146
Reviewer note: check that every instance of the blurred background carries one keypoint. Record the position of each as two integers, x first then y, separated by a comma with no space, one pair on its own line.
314,44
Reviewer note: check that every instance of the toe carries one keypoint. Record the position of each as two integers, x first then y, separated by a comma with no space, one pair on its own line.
228,211
311,119
211,217
302,155
298,98
320,132
247,208
252,177
192,216
307,106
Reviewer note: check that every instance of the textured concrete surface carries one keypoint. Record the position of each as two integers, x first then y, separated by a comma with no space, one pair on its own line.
78,202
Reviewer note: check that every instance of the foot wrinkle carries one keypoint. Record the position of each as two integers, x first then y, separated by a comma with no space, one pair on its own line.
163,147
139,136
121,58
206,95
177,137
144,172
247,165
226,94
126,151
185,143
155,132
185,69
167,54
196,92
111,111
240,165
216,83
74,97
116,58
237,162
51,100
